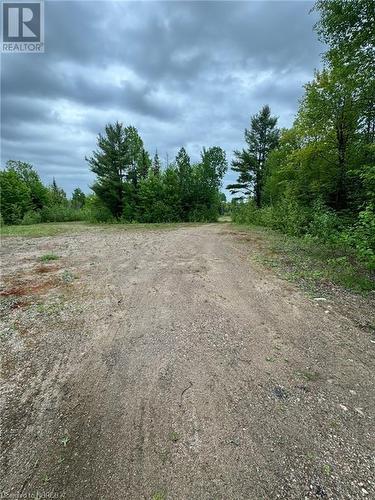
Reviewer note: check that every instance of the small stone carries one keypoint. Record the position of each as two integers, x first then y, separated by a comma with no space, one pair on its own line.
343,407
359,410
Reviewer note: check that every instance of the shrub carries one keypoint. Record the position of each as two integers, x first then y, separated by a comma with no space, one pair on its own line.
101,214
324,223
60,213
31,217
362,237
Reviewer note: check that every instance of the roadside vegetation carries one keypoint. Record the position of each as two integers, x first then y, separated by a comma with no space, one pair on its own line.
318,267
316,180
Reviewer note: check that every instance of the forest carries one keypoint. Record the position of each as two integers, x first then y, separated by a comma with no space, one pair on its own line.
318,178
315,179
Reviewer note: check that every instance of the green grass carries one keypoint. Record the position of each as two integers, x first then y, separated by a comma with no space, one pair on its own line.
44,229
59,228
48,257
312,264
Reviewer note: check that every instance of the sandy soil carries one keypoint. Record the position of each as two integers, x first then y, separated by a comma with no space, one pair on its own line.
164,364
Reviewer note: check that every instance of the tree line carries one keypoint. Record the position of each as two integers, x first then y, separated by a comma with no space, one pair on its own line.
129,186
317,178
26,200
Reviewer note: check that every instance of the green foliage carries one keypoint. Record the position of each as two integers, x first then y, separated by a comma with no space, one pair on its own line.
319,182
61,213
38,193
15,197
119,163
96,211
261,139
31,217
129,187
78,198
48,257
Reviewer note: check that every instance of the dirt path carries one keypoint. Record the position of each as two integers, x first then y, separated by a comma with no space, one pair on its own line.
165,365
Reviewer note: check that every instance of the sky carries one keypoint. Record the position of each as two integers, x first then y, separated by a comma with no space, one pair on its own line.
183,73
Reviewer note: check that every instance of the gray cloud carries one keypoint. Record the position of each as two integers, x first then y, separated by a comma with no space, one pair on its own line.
184,73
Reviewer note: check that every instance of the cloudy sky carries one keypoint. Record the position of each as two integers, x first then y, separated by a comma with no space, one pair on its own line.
184,73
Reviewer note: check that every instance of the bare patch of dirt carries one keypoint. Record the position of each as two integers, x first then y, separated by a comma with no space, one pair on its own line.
174,367
27,289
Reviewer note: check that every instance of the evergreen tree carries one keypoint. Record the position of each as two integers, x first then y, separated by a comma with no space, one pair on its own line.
156,164
261,139
118,161
184,172
78,198
57,196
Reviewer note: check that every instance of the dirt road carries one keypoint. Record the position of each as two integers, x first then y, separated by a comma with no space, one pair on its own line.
165,364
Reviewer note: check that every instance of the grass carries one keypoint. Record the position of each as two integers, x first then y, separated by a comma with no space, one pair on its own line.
159,495
44,229
59,228
313,264
310,376
48,257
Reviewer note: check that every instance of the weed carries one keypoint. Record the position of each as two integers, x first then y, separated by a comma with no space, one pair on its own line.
309,262
327,469
48,257
64,441
311,376
174,436
67,276
158,495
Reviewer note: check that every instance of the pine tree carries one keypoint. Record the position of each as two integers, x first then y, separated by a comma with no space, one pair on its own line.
156,164
261,139
184,172
57,195
119,163
78,198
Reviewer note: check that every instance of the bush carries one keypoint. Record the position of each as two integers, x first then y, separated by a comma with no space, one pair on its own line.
324,223
95,211
31,217
61,213
361,236
287,216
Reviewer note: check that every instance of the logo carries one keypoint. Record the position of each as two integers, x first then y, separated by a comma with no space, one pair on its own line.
23,27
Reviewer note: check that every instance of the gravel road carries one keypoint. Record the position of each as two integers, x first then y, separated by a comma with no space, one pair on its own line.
166,364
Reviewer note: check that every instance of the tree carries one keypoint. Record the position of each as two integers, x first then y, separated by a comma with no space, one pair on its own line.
26,172
184,173
15,198
328,118
156,164
215,162
118,161
57,196
347,27
78,198
261,139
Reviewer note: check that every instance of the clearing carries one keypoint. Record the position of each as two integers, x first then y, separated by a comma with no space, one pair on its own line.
166,363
